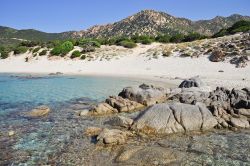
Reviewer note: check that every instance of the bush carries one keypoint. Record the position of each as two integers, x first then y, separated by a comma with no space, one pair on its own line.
4,52
43,52
36,49
20,50
143,39
83,57
128,44
88,42
62,49
29,43
177,38
75,54
163,38
193,36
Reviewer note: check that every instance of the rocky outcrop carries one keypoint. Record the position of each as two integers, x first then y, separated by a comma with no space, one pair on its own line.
123,105
120,121
173,118
102,109
191,82
113,136
39,112
145,94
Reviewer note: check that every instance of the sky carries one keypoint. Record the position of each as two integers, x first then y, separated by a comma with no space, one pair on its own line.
65,15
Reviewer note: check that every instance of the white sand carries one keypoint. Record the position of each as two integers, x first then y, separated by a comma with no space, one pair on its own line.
136,65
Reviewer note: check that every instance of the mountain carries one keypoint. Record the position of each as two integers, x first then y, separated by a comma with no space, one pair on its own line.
10,35
146,22
150,22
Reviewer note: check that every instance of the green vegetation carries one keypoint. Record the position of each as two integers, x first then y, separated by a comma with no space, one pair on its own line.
36,49
163,38
4,52
83,57
143,39
193,36
127,44
20,50
43,52
240,26
75,54
177,38
62,49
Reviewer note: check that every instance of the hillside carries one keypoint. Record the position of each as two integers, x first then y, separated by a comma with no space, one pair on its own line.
150,22
146,22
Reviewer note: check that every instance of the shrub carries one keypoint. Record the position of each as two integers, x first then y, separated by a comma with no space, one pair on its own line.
163,38
89,42
62,49
83,57
128,44
29,43
177,38
88,49
75,54
36,49
193,36
43,52
20,50
4,52
143,39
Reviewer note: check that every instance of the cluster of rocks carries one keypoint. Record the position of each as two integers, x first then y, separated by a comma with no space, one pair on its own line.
184,109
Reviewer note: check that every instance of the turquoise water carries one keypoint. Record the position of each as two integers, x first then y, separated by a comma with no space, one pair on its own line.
21,90
43,140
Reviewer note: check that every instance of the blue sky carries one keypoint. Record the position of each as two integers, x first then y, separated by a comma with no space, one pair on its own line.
64,15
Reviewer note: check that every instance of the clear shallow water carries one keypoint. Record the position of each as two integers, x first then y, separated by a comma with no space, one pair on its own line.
16,91
38,141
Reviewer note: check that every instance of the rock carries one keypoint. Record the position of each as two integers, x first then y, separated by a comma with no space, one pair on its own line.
192,82
174,117
84,112
102,109
11,133
244,112
39,111
93,131
123,105
120,121
221,71
145,94
217,56
113,136
239,122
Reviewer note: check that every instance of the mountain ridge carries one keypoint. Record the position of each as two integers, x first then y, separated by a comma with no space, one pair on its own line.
145,22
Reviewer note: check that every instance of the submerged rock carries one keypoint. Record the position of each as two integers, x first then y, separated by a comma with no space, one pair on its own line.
174,117
39,111
113,136
145,94
11,133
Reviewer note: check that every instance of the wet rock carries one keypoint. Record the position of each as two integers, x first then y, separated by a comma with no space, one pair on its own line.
217,56
93,131
120,121
123,105
145,94
113,136
239,122
192,82
174,117
39,111
102,109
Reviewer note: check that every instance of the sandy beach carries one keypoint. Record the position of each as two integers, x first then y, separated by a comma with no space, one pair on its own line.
135,63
